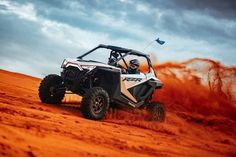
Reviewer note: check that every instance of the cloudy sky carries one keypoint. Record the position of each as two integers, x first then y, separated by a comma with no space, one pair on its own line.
36,35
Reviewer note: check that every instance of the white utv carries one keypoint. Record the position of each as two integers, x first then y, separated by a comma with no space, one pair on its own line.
101,84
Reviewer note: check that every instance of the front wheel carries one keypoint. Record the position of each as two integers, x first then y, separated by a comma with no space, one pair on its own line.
51,89
95,103
156,111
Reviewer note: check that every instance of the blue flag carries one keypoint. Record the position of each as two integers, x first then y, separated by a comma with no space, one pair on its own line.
161,42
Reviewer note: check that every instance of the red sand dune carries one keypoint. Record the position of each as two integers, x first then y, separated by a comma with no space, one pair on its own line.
199,96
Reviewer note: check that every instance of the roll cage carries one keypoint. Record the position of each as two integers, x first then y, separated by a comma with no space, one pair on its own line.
117,54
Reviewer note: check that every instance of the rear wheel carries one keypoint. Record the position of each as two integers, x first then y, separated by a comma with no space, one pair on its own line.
95,103
157,111
51,89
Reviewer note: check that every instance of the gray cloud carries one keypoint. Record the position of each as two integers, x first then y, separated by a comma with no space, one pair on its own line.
29,47
217,8
38,34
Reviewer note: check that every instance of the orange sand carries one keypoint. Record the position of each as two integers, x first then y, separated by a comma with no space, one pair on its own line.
200,121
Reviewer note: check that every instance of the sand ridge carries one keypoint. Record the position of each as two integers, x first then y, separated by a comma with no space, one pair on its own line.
30,128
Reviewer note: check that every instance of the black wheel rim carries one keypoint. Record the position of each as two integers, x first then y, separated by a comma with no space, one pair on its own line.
158,114
98,104
51,91
54,90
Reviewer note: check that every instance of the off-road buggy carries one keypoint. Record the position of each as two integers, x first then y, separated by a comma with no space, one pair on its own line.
101,84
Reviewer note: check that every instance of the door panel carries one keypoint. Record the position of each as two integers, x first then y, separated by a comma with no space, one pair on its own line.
129,81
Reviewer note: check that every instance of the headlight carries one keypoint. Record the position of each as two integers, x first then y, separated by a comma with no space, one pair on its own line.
89,67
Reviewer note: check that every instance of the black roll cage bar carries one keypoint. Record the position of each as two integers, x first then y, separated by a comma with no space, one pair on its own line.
121,51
